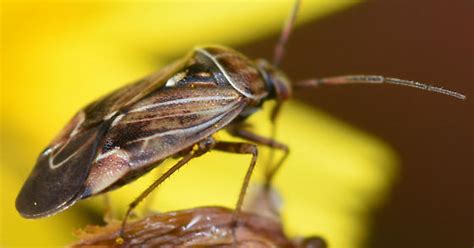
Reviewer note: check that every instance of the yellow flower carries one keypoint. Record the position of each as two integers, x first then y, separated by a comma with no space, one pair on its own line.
58,56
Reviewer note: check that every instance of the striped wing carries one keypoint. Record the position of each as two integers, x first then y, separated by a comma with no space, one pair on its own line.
58,177
108,105
163,124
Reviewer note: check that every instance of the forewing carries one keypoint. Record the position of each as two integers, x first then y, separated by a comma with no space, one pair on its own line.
166,123
59,173
58,177
108,105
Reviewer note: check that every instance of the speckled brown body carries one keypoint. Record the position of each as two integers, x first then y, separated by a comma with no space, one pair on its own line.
132,130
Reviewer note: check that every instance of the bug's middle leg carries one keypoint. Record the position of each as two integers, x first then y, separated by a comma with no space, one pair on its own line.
147,205
247,135
239,148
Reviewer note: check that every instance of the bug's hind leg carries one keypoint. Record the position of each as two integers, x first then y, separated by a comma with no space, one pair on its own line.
147,205
198,150
269,142
239,148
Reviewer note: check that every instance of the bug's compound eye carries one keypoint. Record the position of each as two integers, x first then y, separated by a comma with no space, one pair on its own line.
277,82
282,86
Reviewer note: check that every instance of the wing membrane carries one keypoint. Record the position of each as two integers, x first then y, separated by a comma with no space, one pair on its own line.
59,175
105,107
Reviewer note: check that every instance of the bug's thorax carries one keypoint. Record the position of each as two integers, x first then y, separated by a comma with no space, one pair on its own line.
258,80
236,69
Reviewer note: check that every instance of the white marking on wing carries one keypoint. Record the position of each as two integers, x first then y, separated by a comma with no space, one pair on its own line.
116,151
117,119
82,117
210,111
185,130
176,78
110,115
52,165
52,150
181,101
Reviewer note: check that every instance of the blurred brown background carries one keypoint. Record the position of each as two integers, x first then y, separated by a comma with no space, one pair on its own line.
432,203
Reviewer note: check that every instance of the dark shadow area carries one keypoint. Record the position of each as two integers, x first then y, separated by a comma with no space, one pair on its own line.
432,203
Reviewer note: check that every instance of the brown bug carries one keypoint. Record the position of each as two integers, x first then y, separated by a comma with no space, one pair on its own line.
171,113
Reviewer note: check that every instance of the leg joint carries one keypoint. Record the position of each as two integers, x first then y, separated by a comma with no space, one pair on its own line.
248,148
205,145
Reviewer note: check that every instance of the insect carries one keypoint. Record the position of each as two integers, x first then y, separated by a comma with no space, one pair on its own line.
171,113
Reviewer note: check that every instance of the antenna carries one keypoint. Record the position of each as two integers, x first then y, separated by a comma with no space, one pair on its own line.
372,79
285,34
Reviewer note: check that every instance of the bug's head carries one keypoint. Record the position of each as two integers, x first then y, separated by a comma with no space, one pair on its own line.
277,82
278,85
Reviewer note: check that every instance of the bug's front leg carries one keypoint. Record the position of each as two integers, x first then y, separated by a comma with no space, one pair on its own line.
198,150
240,132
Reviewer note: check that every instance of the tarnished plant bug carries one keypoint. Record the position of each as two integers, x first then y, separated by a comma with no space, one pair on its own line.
171,113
